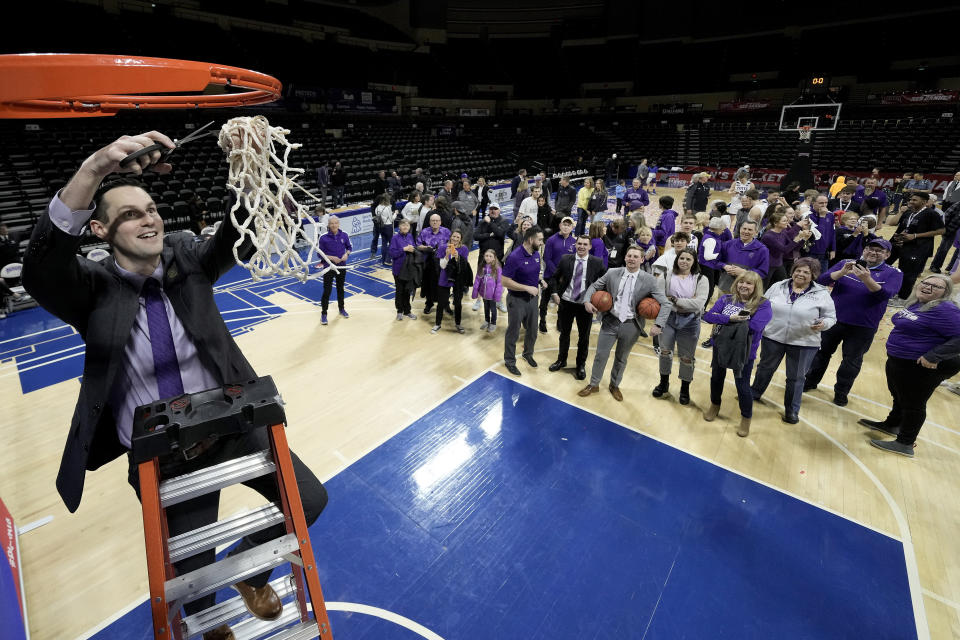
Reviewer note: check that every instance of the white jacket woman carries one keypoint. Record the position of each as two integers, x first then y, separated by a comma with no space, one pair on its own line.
801,310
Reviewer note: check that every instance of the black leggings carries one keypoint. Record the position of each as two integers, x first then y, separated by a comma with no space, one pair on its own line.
490,311
443,295
911,385
401,299
328,277
711,275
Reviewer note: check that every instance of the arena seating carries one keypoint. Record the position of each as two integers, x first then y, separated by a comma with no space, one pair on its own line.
36,162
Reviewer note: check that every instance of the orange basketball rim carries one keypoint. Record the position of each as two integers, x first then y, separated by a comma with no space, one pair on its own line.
59,85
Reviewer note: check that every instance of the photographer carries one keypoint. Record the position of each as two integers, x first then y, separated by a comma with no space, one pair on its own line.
917,225
861,290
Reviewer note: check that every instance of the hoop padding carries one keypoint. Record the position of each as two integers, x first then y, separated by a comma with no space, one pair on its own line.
58,85
263,181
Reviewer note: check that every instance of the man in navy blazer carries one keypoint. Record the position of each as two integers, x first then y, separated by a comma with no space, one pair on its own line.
569,296
154,291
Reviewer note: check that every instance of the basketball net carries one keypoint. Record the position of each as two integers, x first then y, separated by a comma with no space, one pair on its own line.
805,133
263,182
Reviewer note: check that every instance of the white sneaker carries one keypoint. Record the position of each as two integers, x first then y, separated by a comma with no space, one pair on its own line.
502,307
412,316
399,317
476,305
484,325
435,329
491,328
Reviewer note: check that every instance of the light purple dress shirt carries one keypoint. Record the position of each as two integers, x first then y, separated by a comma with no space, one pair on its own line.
136,383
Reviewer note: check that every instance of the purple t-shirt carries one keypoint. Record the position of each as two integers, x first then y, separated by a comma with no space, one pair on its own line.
522,267
855,304
555,248
916,333
878,193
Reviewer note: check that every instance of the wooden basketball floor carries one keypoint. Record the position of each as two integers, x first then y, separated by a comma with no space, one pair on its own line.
352,385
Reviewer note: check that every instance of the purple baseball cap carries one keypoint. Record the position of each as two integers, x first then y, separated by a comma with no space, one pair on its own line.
880,242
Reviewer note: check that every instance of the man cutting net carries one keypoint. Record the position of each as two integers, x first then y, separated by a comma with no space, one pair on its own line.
152,330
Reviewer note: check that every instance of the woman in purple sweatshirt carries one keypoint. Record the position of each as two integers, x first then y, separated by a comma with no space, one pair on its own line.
781,239
923,350
745,304
745,253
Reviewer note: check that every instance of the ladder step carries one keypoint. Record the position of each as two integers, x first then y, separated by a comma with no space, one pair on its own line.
223,531
191,485
231,570
253,628
224,612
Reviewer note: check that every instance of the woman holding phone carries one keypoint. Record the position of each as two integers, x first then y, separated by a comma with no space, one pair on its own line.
801,310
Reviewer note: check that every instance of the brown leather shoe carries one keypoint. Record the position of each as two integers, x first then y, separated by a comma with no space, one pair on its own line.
587,390
615,392
223,632
261,602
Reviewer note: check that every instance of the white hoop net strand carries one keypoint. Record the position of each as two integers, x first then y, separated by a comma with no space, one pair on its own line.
262,181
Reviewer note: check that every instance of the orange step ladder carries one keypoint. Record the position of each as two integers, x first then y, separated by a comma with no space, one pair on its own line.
176,425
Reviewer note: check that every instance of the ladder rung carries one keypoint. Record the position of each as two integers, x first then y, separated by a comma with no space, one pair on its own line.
198,483
230,570
303,631
223,531
224,612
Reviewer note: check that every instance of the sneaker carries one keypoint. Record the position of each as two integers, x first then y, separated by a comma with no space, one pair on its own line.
656,350
427,309
460,329
476,305
412,316
953,387
323,318
399,317
893,446
706,344
343,312
491,328
435,329
879,425
484,325
502,307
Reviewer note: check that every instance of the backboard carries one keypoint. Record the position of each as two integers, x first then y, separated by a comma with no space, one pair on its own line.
822,116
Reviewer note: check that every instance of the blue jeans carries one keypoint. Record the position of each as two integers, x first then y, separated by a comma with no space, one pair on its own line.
799,360
386,234
741,381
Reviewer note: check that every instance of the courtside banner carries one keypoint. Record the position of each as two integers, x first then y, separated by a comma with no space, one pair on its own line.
12,614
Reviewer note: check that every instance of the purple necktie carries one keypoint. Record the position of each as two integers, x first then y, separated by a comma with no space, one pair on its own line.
165,363
577,279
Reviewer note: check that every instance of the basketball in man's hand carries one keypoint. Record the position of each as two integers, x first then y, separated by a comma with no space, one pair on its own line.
648,308
602,300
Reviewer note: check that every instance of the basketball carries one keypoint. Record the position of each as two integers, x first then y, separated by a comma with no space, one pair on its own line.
648,308
602,300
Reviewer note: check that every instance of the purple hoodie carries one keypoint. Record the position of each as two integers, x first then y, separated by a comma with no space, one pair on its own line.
666,226
754,256
711,246
397,254
555,248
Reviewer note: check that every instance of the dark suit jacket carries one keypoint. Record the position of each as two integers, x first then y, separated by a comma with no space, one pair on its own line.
102,306
564,274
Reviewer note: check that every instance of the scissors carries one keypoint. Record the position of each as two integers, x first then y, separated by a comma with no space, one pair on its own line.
164,150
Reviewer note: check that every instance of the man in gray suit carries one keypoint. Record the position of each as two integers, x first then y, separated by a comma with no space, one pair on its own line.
620,326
